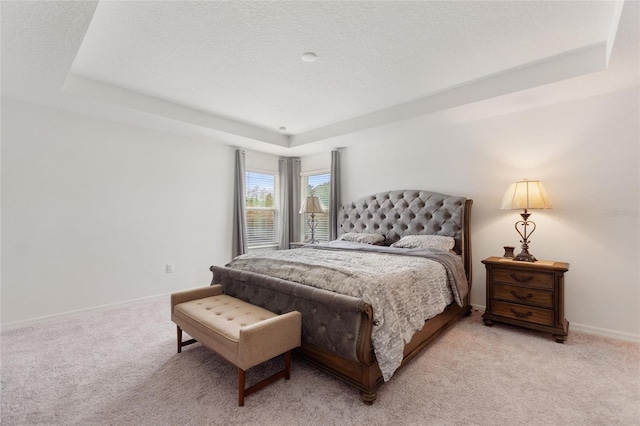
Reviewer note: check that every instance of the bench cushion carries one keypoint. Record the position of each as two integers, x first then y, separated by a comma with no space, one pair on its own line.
221,318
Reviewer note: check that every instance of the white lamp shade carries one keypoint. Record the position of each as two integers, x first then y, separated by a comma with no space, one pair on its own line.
312,205
526,194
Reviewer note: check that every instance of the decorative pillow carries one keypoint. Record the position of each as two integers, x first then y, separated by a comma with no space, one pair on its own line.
426,241
361,237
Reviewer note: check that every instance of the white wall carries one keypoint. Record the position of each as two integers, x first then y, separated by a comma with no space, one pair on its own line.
585,152
316,162
92,210
261,162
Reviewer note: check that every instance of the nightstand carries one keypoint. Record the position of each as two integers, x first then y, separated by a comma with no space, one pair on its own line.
296,244
527,294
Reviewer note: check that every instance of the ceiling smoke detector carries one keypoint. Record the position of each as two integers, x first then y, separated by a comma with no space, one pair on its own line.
309,57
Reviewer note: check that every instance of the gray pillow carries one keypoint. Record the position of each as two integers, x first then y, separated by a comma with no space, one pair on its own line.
361,237
426,241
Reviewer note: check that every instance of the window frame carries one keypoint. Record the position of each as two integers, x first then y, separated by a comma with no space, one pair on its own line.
275,209
322,218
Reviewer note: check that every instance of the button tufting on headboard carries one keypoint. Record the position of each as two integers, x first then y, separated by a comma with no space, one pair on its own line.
405,212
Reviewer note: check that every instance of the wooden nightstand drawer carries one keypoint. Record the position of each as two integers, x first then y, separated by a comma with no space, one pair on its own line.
524,277
527,294
523,313
523,295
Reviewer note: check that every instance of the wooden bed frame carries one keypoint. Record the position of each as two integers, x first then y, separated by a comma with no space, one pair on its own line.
377,213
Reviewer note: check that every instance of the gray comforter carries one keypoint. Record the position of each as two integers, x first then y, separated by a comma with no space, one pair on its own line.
405,287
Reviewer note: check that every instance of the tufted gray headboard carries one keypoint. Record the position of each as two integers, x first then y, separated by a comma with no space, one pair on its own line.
395,214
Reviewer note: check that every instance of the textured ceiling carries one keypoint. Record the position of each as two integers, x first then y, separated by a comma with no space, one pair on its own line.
232,70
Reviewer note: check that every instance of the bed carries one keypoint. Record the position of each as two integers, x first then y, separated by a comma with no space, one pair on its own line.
344,319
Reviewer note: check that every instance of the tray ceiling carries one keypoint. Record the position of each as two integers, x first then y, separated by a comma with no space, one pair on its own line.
233,70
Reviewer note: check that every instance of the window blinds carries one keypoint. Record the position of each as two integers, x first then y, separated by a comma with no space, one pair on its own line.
262,198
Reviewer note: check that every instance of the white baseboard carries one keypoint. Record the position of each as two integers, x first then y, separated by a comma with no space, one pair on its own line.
29,322
589,329
605,332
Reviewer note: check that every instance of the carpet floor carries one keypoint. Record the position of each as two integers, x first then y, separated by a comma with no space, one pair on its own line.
119,366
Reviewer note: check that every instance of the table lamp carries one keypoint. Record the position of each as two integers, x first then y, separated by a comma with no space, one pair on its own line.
525,194
312,205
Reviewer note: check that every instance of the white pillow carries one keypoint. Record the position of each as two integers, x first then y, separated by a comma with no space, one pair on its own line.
361,237
426,241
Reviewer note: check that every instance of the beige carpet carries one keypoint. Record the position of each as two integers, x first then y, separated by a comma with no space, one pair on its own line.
119,366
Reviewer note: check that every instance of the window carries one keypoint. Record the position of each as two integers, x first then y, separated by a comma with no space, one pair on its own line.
318,184
262,197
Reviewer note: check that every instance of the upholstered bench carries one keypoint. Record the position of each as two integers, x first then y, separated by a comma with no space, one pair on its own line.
243,334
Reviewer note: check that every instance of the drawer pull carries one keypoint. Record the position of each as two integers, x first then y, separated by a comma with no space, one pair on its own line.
520,314
522,297
521,279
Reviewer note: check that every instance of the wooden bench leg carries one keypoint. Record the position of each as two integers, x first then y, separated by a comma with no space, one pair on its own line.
287,364
242,392
240,387
181,343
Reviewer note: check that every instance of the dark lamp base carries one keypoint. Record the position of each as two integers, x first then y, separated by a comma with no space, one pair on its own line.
525,257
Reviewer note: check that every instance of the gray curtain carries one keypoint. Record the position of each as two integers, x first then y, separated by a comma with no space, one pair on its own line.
289,169
334,195
239,207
